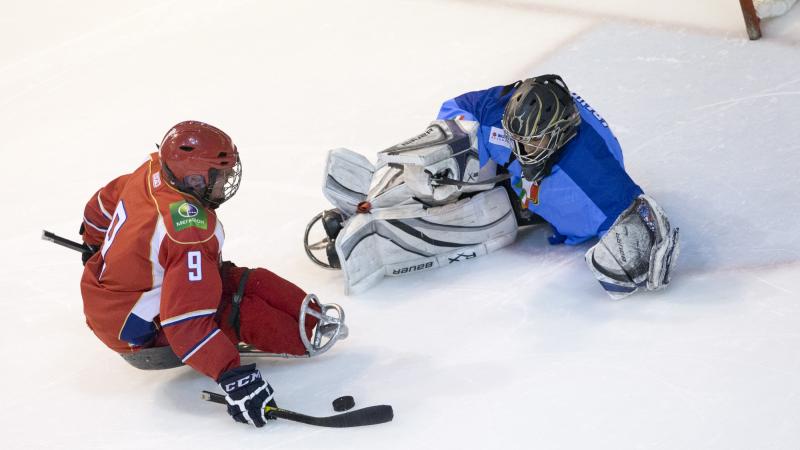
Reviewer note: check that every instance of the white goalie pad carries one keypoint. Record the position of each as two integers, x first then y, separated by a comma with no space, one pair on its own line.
389,188
639,250
410,238
347,179
435,167
446,152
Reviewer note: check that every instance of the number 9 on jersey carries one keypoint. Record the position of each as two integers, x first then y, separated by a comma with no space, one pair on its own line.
195,266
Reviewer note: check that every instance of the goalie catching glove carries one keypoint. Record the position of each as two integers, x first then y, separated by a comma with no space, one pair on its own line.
639,250
247,394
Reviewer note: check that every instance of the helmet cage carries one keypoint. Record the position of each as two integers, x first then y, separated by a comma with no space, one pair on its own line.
534,152
223,184
536,149
216,187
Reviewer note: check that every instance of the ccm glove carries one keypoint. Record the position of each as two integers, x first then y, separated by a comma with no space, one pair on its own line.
247,393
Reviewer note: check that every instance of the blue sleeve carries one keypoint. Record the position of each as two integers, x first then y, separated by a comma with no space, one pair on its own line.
602,179
479,106
451,110
593,119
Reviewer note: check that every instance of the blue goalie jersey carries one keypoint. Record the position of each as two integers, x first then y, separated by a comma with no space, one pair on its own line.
587,187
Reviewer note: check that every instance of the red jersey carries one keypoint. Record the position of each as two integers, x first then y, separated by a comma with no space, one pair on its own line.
157,270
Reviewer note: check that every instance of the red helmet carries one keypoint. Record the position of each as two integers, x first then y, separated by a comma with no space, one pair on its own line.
201,160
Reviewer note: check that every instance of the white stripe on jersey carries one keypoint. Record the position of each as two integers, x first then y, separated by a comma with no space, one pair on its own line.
149,304
155,247
102,208
87,222
188,315
219,232
200,345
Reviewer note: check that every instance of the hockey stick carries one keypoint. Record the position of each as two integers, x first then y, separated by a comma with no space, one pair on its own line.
371,415
64,242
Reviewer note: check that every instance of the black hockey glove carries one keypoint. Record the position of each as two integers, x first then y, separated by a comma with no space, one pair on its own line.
88,254
92,249
247,393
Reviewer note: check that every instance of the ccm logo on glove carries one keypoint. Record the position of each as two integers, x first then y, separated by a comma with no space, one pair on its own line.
242,382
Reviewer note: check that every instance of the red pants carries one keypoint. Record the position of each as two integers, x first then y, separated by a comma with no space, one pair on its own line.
269,312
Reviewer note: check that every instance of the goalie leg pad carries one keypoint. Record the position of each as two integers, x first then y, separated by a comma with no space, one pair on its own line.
410,238
389,188
347,179
639,250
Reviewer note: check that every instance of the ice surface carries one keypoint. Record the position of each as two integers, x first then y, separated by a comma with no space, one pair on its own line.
519,349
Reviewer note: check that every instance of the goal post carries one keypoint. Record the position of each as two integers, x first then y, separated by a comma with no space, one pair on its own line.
756,10
751,20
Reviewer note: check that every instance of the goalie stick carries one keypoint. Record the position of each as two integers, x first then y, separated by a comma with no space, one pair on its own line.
371,415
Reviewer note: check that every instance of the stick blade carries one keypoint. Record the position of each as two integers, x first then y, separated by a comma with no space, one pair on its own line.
371,415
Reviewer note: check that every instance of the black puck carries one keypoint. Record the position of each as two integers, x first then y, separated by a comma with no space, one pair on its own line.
343,403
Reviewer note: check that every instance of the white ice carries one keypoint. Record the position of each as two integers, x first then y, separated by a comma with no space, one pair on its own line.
518,349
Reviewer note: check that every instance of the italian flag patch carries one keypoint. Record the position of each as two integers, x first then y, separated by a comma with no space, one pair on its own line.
528,192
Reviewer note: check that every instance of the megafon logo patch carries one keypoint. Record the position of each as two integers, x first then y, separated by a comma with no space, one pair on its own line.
497,136
187,210
186,215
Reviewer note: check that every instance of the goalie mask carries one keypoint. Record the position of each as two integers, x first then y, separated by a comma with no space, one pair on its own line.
540,118
202,161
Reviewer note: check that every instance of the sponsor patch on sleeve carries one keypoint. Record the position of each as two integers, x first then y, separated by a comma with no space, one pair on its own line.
186,215
497,136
